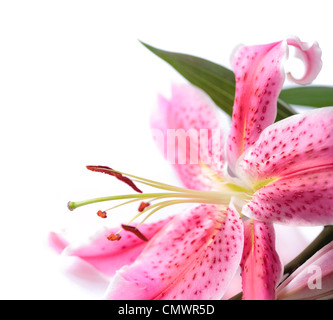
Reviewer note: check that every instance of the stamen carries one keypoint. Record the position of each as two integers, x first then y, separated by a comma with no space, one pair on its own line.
174,195
122,204
135,231
118,175
168,203
156,184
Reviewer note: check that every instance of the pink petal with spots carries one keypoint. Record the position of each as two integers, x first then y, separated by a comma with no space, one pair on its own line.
304,198
193,257
261,266
107,256
212,272
259,79
313,280
188,130
297,143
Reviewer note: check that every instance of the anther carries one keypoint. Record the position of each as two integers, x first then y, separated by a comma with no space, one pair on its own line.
114,237
135,231
101,214
143,205
118,175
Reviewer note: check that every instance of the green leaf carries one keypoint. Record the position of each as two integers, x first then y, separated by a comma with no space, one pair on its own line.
284,110
313,96
217,81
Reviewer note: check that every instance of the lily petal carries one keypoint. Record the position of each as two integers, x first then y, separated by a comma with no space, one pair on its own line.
312,280
188,130
261,266
106,256
57,242
296,143
310,55
259,79
193,257
303,198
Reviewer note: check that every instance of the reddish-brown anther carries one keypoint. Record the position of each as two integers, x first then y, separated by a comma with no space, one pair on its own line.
143,205
135,231
101,214
114,237
118,175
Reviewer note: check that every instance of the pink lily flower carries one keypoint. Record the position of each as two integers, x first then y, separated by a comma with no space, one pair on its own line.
271,173
311,281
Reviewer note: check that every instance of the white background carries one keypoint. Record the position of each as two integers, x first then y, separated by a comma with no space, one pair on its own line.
77,88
